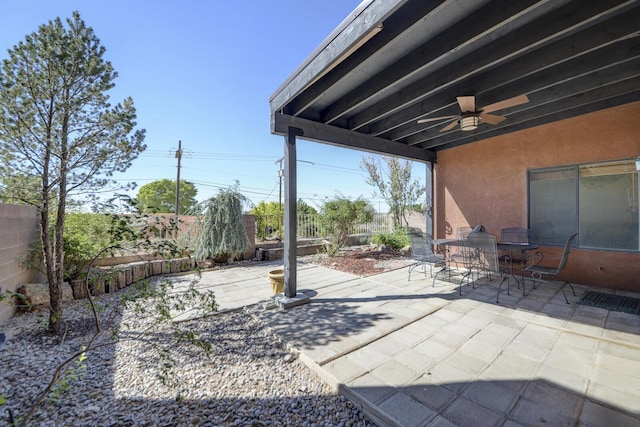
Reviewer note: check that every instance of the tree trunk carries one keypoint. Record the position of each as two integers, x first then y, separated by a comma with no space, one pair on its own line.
58,234
55,293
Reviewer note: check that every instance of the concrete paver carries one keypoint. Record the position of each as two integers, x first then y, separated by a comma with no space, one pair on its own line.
413,354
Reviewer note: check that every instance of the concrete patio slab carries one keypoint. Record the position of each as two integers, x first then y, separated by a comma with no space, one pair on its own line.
413,354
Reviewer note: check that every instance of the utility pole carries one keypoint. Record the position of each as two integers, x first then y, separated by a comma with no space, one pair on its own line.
280,174
178,156
280,183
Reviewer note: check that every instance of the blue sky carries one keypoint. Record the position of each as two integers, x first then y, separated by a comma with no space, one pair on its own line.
202,72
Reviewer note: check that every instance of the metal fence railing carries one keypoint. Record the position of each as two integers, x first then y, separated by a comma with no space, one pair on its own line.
309,226
381,223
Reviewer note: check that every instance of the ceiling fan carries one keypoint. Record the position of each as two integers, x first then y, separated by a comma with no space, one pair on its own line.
470,117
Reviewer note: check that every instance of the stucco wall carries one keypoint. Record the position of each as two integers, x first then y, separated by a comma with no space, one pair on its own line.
416,220
18,230
486,183
186,221
249,223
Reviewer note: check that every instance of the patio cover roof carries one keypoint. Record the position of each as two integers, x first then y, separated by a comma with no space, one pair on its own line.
392,62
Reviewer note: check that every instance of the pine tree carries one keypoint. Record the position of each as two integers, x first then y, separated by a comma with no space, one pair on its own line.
58,131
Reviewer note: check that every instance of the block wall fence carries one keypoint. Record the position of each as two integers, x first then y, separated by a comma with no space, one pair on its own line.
19,229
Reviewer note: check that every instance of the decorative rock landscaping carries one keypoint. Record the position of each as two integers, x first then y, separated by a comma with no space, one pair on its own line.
249,379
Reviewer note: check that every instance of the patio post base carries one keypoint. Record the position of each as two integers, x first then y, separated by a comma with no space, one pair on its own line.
283,301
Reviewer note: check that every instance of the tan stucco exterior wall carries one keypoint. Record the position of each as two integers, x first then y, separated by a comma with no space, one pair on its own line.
19,229
486,183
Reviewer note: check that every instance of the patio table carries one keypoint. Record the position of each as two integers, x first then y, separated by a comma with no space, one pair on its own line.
447,242
447,257
511,247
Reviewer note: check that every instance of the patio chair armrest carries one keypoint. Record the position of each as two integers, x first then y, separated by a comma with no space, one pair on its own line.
539,257
536,259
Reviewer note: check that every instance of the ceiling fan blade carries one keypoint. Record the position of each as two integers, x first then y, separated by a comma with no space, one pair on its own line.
434,119
449,126
467,103
492,119
506,103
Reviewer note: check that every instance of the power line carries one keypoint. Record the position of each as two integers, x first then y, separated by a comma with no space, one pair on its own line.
266,193
236,157
207,156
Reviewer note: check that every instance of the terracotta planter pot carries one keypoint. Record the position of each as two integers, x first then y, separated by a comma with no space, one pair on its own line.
277,281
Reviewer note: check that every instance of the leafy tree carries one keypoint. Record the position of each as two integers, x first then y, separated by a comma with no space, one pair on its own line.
269,219
339,215
160,197
58,128
392,179
264,208
15,186
305,209
222,230
85,234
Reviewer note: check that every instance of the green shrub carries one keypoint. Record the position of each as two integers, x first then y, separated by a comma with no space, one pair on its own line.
339,215
85,235
396,240
269,219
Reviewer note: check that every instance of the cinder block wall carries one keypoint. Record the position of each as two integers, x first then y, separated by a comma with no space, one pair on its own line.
186,221
250,224
417,220
19,229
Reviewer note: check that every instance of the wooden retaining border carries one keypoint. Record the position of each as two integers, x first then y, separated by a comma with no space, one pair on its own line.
102,280
117,277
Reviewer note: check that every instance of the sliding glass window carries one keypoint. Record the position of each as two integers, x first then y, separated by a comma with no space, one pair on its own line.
552,205
599,200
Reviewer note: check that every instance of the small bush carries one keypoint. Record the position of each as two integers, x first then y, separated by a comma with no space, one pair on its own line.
85,235
339,215
396,240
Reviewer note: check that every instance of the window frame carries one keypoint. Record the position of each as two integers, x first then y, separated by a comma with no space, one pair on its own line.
575,169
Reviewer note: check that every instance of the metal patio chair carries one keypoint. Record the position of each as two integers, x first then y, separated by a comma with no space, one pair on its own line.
539,271
481,256
422,252
456,255
514,235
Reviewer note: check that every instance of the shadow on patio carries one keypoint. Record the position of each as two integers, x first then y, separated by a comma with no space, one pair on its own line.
411,354
485,403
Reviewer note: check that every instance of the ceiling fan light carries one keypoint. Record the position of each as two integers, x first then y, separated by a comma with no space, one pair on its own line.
469,123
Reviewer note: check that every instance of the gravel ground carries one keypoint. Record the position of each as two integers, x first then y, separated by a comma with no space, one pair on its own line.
248,380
